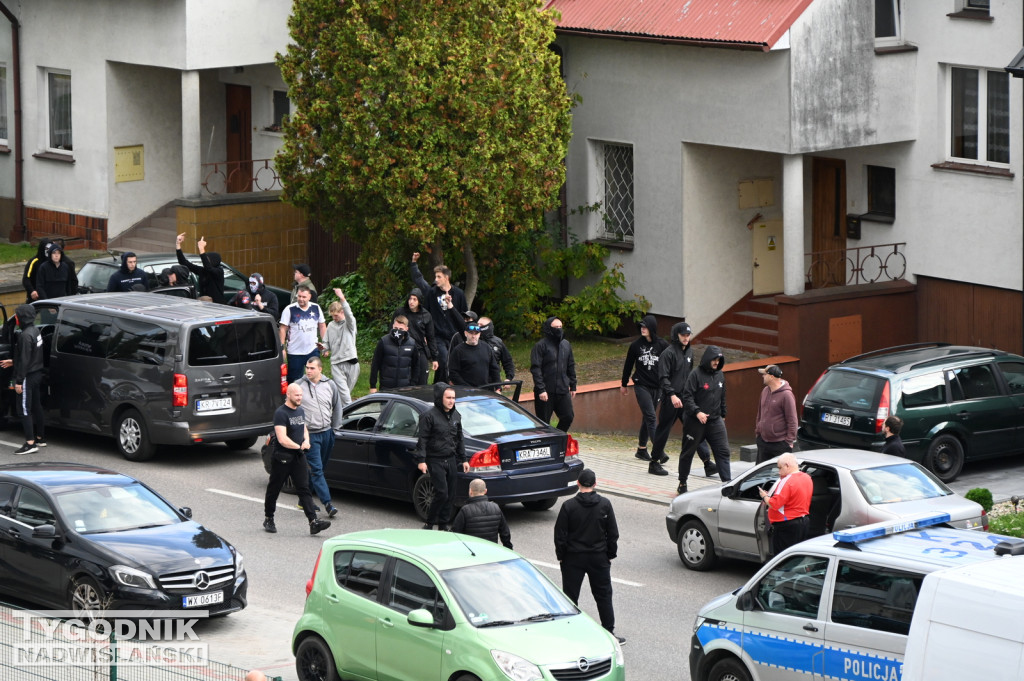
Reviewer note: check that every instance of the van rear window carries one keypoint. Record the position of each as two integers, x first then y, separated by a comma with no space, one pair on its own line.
232,343
848,389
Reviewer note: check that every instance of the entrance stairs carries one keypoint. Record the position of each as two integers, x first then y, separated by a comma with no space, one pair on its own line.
751,325
152,234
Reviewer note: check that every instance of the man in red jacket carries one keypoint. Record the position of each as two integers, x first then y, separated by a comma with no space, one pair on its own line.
775,427
789,502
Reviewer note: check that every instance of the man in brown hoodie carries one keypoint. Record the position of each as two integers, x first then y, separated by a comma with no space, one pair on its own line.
775,427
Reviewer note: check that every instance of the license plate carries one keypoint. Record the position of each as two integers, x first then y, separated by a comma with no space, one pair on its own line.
199,600
836,419
535,453
214,404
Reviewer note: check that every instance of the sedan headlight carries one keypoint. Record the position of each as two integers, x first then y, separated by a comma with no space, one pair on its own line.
127,576
515,667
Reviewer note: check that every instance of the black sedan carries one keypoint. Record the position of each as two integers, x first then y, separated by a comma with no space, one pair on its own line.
87,539
521,458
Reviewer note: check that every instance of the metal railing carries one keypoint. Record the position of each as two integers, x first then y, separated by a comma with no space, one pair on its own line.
858,265
229,177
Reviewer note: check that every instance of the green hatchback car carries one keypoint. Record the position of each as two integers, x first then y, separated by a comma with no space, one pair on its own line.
439,606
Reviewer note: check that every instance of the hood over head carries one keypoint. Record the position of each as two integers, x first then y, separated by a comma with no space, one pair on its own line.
124,260
214,257
417,294
26,315
41,248
181,273
710,353
679,328
487,330
651,323
439,389
554,334
255,282
164,278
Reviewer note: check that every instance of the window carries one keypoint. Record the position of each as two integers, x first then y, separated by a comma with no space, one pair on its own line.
58,97
793,587
401,420
359,571
615,166
875,597
232,342
363,417
924,391
1013,372
979,116
282,107
412,589
971,383
6,498
33,509
138,342
887,22
84,334
882,191
3,104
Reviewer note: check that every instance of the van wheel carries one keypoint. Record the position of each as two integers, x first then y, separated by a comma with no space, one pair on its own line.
540,504
423,496
729,669
132,437
945,458
696,549
241,444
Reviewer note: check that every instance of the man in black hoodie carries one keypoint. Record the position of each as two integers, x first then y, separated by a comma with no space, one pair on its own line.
498,346
441,453
210,273
28,379
704,402
28,276
554,375
129,276
586,543
673,369
263,300
438,302
56,278
643,354
421,330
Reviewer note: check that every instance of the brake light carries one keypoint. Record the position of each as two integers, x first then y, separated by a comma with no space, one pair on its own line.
312,577
572,448
179,393
284,379
883,408
984,520
486,459
811,391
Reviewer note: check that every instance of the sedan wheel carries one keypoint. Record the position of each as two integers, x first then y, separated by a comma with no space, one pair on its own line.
86,597
695,547
313,660
423,496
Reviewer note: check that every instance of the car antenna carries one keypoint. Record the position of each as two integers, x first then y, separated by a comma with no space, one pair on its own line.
467,547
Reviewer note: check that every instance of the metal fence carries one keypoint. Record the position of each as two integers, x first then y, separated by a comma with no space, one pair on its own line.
37,648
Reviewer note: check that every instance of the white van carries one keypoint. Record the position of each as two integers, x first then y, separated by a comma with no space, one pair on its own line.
977,608
836,607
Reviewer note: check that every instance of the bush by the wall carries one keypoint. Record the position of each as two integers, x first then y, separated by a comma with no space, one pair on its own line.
982,496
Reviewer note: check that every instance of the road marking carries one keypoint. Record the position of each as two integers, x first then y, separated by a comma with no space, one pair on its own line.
556,567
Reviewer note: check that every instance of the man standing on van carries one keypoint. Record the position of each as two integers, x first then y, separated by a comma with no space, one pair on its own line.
775,426
289,459
302,324
321,401
28,379
789,502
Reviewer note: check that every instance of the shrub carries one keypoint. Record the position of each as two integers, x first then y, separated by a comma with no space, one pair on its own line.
981,496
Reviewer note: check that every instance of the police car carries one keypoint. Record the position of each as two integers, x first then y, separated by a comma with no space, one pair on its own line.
836,607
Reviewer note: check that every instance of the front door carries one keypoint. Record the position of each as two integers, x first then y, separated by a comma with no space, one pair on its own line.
828,222
239,138
768,268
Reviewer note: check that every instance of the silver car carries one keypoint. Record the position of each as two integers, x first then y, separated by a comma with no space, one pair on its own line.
852,487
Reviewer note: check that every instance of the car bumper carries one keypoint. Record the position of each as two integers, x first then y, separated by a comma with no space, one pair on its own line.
179,433
672,525
148,600
505,487
696,659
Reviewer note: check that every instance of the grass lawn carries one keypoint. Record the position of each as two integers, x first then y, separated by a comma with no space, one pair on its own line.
10,253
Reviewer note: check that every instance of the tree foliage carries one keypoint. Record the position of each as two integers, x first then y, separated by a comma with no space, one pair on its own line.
424,123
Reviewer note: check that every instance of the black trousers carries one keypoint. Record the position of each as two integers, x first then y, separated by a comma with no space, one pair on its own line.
298,469
556,404
667,417
770,450
422,368
694,432
442,473
441,375
647,400
31,406
597,568
788,532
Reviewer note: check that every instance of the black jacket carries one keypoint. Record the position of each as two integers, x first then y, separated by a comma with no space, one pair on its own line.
28,353
705,387
552,364
481,517
272,306
56,280
442,325
586,524
123,280
675,365
473,365
394,360
210,274
643,356
440,431
31,271
500,351
421,325
894,446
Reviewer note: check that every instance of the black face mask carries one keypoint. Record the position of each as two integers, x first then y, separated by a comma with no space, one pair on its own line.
556,333
399,335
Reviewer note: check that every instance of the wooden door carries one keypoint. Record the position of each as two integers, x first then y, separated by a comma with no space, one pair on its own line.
828,222
769,275
239,138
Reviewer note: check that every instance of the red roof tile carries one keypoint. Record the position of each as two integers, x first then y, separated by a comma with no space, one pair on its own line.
737,23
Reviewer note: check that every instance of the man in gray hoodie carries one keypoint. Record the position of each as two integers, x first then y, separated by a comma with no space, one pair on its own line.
775,427
321,402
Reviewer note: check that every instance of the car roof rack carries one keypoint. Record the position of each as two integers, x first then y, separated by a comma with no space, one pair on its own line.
894,349
851,537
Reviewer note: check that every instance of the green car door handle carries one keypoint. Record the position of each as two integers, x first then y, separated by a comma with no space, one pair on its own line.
386,622
332,598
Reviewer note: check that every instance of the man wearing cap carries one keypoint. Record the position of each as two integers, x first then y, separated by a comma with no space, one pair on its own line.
473,363
775,427
789,502
303,281
586,542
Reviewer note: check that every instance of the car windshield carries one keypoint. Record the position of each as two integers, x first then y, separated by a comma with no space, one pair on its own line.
491,415
113,509
900,482
526,595
95,276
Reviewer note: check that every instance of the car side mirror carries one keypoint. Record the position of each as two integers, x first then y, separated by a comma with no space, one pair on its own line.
186,511
421,618
745,602
44,532
728,490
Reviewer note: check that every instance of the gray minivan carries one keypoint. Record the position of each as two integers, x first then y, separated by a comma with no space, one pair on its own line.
152,370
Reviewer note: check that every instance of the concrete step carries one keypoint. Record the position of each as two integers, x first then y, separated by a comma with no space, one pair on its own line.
741,332
140,245
167,224
764,304
760,320
154,233
763,349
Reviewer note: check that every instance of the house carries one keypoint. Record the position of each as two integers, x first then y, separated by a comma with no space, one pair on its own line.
857,165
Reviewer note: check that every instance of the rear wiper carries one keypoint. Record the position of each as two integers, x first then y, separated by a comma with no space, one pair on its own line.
830,401
497,623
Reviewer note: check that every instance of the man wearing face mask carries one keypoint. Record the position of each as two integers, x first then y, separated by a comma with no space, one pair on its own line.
395,359
262,299
554,375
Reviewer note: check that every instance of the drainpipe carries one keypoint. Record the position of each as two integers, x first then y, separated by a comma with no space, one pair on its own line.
18,229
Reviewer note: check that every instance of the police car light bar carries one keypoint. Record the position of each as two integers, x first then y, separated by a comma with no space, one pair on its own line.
883,529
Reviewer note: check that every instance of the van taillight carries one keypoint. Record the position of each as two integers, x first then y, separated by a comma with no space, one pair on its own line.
284,379
312,578
486,459
883,408
572,447
179,394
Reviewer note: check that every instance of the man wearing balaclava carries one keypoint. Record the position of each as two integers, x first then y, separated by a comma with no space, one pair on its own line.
395,360
554,375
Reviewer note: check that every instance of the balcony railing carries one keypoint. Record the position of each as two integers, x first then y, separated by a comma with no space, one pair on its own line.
230,177
859,265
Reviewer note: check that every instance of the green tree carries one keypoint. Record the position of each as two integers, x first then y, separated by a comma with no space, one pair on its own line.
424,123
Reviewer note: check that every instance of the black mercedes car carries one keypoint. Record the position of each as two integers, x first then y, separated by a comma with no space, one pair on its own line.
86,539
521,458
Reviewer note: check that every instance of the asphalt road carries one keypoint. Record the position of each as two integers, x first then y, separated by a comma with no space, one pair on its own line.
656,598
